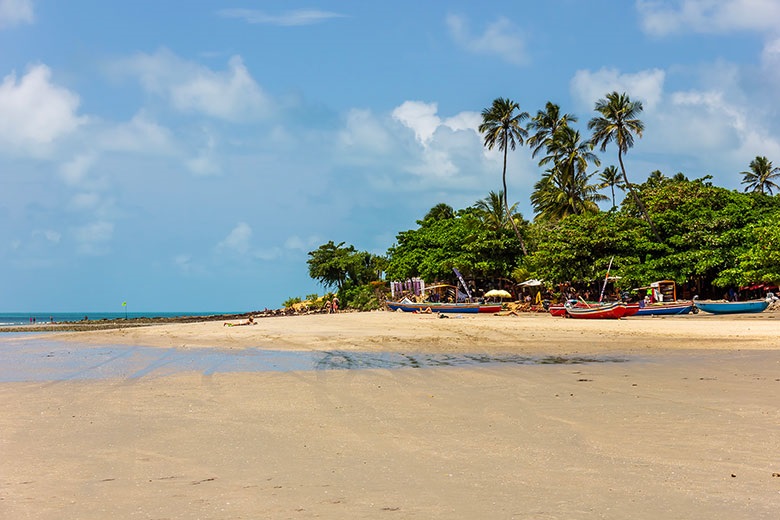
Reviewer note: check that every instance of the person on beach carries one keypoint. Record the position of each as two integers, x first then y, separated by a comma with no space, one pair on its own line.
335,304
249,321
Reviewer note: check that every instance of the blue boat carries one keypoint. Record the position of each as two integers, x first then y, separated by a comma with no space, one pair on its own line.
665,309
726,307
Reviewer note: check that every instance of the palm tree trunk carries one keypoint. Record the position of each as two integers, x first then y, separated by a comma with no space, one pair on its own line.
508,212
612,185
636,198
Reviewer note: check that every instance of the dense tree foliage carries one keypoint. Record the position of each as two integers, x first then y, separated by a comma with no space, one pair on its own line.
464,242
706,238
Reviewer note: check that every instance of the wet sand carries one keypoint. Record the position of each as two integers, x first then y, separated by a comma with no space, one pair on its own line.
689,427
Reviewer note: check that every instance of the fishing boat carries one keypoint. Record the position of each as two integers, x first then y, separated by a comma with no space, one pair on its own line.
727,307
407,305
661,300
612,310
559,309
666,308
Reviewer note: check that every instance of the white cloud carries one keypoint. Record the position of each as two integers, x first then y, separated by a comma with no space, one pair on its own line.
140,134
365,134
205,162
34,111
419,117
238,240
500,39
76,170
662,17
290,18
190,87
647,86
13,12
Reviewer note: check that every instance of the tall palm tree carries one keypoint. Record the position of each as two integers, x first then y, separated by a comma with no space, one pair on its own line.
492,213
565,188
545,124
610,178
618,122
759,177
501,126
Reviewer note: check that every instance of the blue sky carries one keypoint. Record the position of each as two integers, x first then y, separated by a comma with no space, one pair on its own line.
185,156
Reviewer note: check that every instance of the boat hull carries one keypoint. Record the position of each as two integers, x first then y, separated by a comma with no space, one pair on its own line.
665,309
733,307
468,308
611,311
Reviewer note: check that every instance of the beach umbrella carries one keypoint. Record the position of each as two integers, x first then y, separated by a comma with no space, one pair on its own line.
497,293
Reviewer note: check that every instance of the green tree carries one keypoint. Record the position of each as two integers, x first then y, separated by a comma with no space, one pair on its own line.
491,211
544,125
610,178
334,265
502,127
440,211
618,123
464,242
565,189
760,176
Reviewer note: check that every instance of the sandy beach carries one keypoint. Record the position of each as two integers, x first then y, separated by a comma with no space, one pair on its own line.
686,425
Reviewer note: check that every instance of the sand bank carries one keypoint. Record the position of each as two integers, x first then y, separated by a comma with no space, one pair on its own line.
689,429
528,333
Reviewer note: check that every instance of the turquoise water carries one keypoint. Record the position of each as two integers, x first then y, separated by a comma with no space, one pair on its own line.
25,358
26,318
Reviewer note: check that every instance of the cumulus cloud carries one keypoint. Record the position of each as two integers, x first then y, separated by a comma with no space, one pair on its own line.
647,86
419,117
290,18
238,240
662,17
423,119
500,39
14,12
365,134
34,111
231,94
141,134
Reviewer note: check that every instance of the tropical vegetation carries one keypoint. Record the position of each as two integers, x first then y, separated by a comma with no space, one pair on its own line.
706,238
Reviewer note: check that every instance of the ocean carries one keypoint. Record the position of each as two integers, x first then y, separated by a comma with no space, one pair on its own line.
28,318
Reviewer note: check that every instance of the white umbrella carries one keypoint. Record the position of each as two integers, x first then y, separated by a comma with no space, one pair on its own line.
499,293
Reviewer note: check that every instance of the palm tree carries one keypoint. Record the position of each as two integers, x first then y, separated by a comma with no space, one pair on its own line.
492,213
759,177
502,126
565,188
557,195
440,211
545,124
610,179
618,122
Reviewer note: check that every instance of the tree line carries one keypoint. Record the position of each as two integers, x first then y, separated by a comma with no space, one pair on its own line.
700,235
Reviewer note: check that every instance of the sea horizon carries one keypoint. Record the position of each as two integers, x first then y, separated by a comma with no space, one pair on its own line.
34,317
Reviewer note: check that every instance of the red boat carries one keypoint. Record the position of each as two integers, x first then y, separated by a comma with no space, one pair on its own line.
613,310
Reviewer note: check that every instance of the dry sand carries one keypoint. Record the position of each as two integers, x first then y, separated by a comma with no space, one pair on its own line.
689,427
